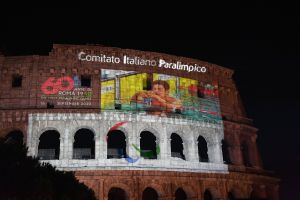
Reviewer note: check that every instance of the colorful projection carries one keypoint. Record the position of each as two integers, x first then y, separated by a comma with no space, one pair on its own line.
159,94
65,91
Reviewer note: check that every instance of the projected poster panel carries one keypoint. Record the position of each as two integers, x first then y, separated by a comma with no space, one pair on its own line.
65,91
159,94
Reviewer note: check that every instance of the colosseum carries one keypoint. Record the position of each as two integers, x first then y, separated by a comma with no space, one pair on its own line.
135,125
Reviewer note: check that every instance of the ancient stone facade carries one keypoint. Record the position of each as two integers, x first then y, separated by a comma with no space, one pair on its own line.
100,125
23,109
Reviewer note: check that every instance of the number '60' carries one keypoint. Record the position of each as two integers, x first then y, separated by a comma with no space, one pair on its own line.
53,85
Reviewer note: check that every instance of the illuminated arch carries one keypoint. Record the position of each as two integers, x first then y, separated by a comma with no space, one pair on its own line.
186,137
177,146
76,129
183,133
148,145
202,149
205,133
84,144
49,145
50,128
151,130
117,146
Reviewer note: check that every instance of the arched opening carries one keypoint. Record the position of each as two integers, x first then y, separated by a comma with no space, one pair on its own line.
48,148
254,196
258,194
202,149
116,144
150,194
117,194
15,136
84,144
177,146
180,194
225,152
207,195
230,196
245,154
148,145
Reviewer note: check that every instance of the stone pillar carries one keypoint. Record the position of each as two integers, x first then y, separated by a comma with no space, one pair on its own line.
64,144
255,159
101,189
157,145
29,141
61,148
186,150
165,145
103,143
193,150
215,152
133,140
35,145
97,147
197,158
103,131
69,153
235,151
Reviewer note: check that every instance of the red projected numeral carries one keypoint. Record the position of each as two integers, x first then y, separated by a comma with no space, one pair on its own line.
66,83
53,85
50,86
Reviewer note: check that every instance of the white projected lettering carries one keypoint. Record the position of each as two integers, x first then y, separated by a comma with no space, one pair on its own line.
135,60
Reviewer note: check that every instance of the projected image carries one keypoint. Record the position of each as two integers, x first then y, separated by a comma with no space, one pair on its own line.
66,91
158,94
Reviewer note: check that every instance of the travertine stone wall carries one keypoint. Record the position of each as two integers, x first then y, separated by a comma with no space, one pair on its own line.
67,124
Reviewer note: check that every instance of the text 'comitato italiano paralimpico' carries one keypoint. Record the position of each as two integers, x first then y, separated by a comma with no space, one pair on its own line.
128,60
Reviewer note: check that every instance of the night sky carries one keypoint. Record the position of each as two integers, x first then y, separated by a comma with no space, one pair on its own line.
260,43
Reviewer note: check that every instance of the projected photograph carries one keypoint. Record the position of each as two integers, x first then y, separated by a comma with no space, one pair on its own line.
159,94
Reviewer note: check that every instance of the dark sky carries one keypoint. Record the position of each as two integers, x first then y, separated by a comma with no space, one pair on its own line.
261,43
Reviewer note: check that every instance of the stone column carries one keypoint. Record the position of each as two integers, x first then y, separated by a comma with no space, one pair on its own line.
215,152
255,158
97,147
35,145
165,145
192,151
133,140
61,148
235,151
64,144
103,140
69,153
157,146
211,152
29,141
186,150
